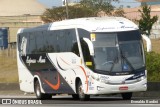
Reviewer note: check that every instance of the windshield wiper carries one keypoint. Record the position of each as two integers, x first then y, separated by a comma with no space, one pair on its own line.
124,58
114,62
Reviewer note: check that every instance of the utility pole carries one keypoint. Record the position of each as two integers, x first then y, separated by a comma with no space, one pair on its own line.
67,13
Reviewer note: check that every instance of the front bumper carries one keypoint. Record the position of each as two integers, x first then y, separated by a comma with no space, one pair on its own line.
100,88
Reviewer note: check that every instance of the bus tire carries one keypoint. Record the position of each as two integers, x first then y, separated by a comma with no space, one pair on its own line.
127,96
38,92
75,96
82,96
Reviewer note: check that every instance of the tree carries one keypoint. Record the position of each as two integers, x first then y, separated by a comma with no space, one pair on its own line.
54,14
86,8
78,11
146,22
59,13
98,5
119,12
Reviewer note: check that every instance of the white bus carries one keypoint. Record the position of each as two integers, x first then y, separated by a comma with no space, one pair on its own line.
82,57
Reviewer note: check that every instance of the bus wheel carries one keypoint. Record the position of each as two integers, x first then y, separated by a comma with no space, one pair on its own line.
38,92
81,94
75,96
126,96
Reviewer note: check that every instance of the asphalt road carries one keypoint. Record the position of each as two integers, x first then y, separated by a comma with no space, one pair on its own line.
67,101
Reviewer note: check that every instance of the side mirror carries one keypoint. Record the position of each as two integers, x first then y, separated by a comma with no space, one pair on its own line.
90,46
148,43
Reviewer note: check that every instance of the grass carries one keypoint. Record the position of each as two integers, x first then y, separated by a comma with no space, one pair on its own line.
8,68
156,45
8,63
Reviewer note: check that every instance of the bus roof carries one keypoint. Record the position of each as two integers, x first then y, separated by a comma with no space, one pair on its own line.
97,24
91,24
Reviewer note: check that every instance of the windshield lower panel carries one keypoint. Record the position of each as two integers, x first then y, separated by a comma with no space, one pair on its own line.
118,53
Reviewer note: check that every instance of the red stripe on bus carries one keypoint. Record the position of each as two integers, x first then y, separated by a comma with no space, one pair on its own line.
64,61
55,87
85,76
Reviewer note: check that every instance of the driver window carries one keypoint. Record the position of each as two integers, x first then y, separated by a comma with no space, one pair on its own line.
86,54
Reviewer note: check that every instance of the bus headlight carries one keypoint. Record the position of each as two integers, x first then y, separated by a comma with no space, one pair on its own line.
95,76
141,78
104,81
100,88
145,85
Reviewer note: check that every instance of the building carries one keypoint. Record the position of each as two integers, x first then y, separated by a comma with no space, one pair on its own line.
20,7
133,14
16,14
149,2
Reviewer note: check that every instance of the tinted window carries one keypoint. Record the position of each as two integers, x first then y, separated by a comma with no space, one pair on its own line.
70,39
66,40
86,54
75,48
103,39
32,44
83,33
1,41
61,41
40,42
51,41
85,49
129,36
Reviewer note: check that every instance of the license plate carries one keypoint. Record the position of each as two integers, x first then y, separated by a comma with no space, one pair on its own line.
123,88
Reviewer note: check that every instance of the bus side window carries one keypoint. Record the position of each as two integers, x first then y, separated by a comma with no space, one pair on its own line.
75,49
68,40
71,44
50,41
32,44
86,54
39,42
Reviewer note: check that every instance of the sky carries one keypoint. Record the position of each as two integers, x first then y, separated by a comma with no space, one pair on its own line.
124,3
50,3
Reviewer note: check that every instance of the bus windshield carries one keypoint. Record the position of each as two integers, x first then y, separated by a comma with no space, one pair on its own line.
118,52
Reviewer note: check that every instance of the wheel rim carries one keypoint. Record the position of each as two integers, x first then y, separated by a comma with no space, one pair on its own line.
81,93
38,92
